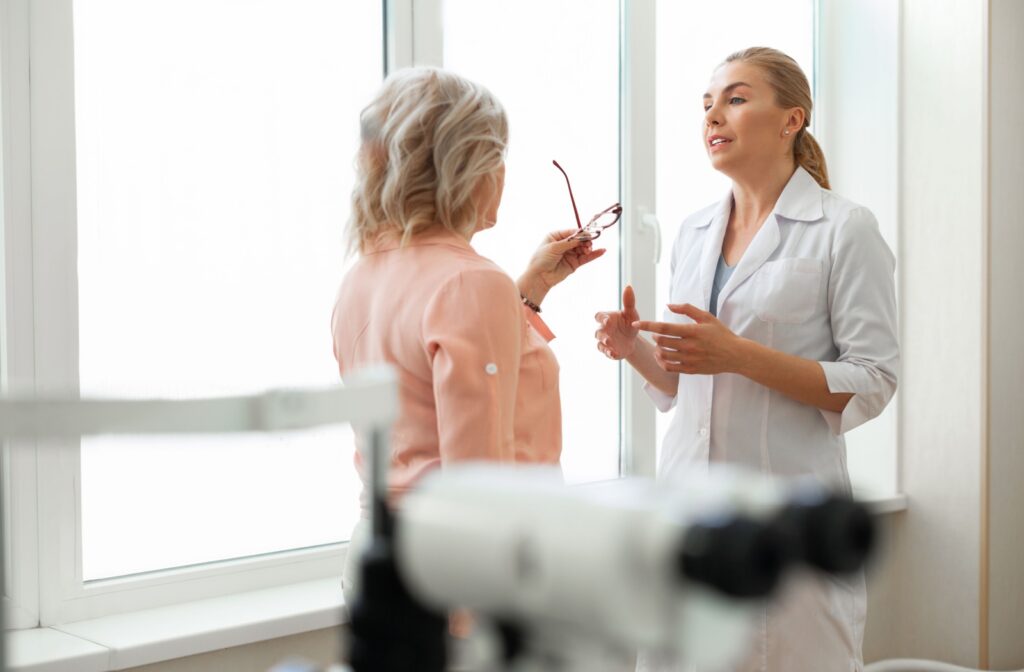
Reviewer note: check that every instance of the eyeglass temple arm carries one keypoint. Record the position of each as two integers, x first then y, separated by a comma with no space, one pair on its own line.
571,197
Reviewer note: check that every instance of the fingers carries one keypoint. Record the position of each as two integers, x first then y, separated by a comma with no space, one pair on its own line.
673,363
608,351
562,241
602,318
667,328
590,256
670,342
692,312
563,246
560,235
672,356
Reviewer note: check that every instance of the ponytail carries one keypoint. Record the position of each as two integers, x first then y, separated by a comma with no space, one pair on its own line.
809,156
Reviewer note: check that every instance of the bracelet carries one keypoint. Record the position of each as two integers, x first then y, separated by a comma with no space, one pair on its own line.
530,304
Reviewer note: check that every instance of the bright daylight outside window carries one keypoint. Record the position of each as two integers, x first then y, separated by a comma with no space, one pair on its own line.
688,50
215,143
555,67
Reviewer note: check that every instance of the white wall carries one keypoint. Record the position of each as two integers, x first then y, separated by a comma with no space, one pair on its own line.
1006,336
924,595
951,585
937,547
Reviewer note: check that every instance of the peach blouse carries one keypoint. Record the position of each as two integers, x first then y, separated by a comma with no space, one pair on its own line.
477,380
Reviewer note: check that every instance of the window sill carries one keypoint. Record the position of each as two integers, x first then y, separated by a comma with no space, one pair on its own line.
145,637
879,503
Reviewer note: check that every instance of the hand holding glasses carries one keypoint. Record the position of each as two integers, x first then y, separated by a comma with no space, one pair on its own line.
598,223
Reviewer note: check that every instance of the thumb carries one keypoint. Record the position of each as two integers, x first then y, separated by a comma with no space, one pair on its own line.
629,305
628,298
693,312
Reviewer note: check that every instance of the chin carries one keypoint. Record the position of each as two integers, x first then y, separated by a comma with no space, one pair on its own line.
722,164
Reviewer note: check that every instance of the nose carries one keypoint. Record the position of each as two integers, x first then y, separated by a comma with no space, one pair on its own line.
712,118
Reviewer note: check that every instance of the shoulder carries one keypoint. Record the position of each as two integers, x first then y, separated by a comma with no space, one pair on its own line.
701,217
853,229
471,267
479,280
846,216
475,301
695,225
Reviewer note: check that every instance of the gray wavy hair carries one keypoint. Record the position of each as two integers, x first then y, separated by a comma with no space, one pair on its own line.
430,141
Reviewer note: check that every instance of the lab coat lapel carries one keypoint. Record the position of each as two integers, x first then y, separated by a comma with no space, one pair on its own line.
761,247
800,201
713,249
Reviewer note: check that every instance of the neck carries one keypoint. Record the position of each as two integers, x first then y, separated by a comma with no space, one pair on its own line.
755,194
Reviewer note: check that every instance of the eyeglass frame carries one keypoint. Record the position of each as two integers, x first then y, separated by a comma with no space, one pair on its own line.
592,230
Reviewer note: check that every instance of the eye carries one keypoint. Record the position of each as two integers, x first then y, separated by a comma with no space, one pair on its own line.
737,100
706,107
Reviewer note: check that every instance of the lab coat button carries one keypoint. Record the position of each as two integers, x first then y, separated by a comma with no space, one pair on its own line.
491,368
703,431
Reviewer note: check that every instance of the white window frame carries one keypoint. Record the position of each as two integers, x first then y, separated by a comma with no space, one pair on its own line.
39,349
17,341
639,230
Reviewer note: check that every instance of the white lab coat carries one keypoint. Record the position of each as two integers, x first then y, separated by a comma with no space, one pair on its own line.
817,281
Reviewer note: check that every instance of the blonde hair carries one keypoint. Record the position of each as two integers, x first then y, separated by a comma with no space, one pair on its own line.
430,141
791,90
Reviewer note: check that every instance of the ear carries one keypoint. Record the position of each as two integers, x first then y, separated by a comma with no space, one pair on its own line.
795,120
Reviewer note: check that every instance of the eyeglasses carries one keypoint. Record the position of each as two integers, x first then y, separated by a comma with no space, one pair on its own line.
598,223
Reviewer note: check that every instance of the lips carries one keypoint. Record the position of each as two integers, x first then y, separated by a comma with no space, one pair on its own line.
716,141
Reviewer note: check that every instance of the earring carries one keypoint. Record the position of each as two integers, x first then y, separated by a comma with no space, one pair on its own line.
787,131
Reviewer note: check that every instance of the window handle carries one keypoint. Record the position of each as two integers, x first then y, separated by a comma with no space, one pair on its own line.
650,221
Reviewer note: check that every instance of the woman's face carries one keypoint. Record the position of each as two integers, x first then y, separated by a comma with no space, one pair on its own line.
744,128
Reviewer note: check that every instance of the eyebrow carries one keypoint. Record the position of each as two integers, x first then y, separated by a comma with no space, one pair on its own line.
730,88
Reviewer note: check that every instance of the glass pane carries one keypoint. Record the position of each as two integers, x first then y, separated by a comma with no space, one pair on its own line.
215,141
554,65
687,53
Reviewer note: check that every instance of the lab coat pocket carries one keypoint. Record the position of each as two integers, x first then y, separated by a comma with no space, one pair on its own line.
787,290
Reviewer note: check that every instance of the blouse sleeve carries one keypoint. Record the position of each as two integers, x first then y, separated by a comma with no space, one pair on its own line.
473,335
862,306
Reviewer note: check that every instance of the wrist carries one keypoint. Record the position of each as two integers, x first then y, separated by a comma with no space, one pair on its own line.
745,357
532,288
634,353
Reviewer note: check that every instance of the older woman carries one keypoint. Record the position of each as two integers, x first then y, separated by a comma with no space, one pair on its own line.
781,333
477,378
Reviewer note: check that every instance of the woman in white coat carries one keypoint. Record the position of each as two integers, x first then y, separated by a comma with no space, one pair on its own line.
780,335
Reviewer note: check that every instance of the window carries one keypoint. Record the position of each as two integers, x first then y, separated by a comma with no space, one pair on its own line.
856,97
213,183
